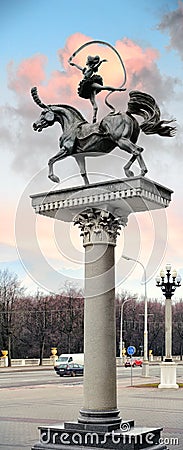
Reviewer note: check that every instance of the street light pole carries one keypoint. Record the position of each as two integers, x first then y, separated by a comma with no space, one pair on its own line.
168,287
121,325
145,367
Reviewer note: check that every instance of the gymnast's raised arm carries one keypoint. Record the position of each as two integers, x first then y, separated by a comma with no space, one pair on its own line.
74,64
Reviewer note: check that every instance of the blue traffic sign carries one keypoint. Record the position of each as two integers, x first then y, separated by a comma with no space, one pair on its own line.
131,350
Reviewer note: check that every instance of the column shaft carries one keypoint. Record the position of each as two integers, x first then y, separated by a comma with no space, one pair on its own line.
100,328
99,231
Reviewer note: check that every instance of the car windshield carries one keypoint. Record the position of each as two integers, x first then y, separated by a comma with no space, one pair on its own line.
62,366
62,359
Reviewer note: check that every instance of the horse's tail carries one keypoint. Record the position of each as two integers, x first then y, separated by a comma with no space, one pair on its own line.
145,106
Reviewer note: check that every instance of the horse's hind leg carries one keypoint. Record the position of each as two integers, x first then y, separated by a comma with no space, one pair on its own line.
135,150
142,165
128,172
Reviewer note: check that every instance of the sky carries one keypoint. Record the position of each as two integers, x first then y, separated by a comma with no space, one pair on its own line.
37,38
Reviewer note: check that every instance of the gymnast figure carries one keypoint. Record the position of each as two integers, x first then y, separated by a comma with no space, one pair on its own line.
92,84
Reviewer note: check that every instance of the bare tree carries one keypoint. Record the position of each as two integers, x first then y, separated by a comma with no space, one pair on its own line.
10,292
71,320
177,328
37,326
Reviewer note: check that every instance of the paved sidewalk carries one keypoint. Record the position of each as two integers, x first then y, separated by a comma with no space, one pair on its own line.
23,409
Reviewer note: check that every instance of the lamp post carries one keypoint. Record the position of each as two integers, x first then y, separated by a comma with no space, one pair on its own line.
168,288
145,367
121,326
168,283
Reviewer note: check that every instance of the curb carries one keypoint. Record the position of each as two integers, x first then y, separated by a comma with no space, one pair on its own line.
25,369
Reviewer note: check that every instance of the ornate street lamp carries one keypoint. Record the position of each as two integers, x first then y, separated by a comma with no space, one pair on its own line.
168,283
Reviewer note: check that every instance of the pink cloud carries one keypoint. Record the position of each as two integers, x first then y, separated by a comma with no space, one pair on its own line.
134,57
62,85
29,71
175,233
73,43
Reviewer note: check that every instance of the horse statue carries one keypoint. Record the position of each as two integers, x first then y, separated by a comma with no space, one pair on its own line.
80,138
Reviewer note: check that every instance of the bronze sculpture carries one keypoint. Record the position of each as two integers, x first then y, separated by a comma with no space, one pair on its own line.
81,139
92,84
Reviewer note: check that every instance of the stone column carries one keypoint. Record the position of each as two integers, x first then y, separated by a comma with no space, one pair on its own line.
168,329
99,231
100,210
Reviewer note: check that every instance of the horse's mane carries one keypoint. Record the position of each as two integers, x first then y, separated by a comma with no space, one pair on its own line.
71,109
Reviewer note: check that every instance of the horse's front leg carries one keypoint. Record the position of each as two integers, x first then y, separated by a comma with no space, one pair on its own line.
80,159
60,155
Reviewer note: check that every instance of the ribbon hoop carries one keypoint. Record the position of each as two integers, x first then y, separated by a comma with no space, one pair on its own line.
119,57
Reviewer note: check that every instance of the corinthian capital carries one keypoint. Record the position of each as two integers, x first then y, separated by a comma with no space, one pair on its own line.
98,226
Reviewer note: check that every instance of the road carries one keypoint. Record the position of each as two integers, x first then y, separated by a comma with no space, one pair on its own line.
12,378
29,399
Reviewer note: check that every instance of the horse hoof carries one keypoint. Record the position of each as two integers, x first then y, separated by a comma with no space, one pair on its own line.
129,173
143,172
140,150
54,178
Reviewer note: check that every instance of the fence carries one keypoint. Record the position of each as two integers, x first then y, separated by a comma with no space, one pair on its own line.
27,362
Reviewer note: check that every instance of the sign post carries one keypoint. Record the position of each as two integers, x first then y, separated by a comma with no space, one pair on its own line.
131,350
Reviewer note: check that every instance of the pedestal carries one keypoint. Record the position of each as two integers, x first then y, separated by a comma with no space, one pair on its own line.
100,211
54,359
168,376
145,366
145,369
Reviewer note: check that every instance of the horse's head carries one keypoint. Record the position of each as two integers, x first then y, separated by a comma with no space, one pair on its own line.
46,119
47,116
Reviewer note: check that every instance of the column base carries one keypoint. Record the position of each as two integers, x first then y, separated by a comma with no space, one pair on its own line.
168,376
74,436
100,417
